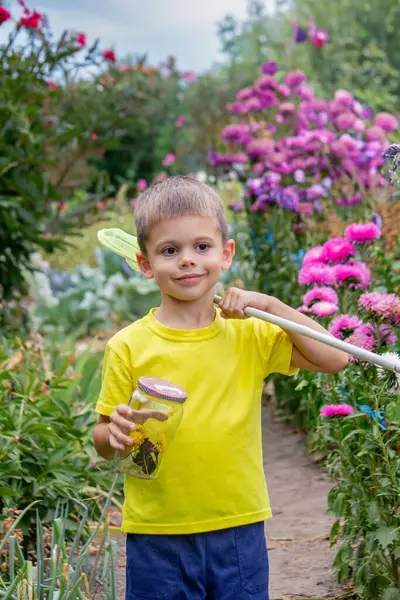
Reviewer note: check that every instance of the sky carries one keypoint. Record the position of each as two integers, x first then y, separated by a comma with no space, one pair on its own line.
186,29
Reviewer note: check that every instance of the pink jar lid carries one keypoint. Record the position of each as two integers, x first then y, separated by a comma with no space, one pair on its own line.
160,388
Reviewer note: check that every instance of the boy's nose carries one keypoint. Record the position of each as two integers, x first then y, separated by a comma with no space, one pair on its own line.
187,260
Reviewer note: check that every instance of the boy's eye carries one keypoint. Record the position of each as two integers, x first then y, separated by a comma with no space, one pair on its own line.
169,251
203,247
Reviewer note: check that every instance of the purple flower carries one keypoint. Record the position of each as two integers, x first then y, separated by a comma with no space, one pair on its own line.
245,94
288,199
299,33
260,148
377,220
344,98
269,68
319,37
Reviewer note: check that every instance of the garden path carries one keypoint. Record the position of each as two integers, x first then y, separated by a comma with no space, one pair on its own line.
297,536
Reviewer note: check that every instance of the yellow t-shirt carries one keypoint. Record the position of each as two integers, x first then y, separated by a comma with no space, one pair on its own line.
212,474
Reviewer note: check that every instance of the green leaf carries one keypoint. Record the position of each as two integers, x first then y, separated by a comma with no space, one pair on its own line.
386,536
300,386
7,491
391,594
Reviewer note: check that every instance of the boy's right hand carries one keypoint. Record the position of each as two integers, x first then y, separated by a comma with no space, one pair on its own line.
124,420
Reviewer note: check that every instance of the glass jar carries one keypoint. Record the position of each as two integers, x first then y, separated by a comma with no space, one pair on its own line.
152,437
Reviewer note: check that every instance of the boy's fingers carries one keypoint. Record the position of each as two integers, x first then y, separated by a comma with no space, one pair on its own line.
140,416
125,425
119,436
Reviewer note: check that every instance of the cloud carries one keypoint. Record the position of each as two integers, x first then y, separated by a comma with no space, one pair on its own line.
187,30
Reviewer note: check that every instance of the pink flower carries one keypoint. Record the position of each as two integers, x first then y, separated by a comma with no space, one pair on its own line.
319,38
81,39
304,309
356,275
345,121
169,160
94,136
260,148
52,86
245,94
320,294
141,185
375,133
386,306
109,55
315,255
386,121
132,202
305,92
189,76
180,121
294,78
31,20
337,410
316,274
5,15
362,233
363,340
344,326
344,98
324,309
338,250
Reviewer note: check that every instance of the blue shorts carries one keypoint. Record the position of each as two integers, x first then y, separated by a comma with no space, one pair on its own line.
229,564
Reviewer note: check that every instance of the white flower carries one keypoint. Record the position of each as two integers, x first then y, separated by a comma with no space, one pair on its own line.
390,378
201,176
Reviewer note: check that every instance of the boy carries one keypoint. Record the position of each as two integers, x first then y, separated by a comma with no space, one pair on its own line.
196,531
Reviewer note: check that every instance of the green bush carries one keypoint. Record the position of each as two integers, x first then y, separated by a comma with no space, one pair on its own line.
47,395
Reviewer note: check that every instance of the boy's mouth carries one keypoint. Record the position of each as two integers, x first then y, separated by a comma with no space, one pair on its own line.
189,278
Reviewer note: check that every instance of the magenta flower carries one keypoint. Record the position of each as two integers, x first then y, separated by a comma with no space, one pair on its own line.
109,55
141,185
386,121
169,160
81,39
324,309
361,340
337,410
338,250
294,78
344,326
319,37
245,94
5,15
189,76
320,294
362,233
260,148
305,92
269,68
356,275
316,274
52,86
344,98
345,121
180,121
314,255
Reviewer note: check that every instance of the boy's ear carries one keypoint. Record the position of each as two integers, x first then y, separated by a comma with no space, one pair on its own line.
144,266
228,254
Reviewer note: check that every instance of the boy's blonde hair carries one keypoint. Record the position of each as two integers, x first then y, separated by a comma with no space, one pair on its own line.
174,197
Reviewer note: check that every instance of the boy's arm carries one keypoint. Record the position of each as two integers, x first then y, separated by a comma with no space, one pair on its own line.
101,438
307,353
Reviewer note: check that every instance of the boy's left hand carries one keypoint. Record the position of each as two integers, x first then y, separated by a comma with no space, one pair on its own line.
236,300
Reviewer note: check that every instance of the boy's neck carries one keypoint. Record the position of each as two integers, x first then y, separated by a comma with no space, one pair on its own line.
180,314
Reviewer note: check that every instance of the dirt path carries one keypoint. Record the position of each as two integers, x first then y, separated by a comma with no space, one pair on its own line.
300,557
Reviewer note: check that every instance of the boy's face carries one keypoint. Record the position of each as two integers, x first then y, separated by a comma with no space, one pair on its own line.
186,255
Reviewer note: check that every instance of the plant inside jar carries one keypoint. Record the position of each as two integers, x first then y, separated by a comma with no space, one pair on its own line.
146,453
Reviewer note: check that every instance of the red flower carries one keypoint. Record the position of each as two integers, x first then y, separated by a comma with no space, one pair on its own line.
94,136
81,39
4,15
31,20
109,55
52,86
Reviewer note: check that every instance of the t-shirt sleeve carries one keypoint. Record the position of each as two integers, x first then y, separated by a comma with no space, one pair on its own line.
276,348
116,383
